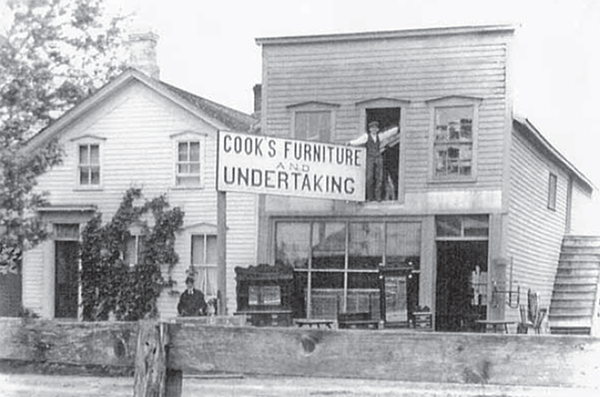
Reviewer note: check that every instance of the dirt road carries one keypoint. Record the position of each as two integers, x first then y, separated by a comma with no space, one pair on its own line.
64,386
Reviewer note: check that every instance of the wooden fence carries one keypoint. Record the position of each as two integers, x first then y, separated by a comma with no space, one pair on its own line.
527,360
162,352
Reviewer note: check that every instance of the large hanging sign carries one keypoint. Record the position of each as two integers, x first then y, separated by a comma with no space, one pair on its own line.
263,164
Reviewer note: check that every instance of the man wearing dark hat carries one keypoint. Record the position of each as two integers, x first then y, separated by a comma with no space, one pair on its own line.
191,302
374,187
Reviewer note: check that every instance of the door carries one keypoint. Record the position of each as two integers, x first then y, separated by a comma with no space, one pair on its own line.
67,279
461,293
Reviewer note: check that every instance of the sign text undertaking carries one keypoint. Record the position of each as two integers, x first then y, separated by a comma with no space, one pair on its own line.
264,164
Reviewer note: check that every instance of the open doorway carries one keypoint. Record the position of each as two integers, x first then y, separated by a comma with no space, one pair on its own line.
66,294
461,292
389,125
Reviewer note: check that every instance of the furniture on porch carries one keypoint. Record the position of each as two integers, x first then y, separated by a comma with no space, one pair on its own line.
264,294
495,325
358,319
532,315
316,322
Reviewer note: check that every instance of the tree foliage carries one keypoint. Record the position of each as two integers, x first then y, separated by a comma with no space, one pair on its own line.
53,53
112,286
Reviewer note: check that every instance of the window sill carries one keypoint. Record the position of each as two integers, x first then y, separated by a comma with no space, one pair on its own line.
452,180
88,188
199,187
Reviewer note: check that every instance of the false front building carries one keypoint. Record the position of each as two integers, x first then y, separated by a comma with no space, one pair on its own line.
466,204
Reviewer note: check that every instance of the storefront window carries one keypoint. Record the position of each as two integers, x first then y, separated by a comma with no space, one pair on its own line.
336,264
293,244
329,245
366,245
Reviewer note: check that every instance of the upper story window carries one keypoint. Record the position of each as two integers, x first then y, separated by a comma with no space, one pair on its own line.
380,126
189,161
313,121
454,138
88,151
312,126
552,184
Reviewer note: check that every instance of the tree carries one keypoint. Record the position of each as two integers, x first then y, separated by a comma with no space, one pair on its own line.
53,54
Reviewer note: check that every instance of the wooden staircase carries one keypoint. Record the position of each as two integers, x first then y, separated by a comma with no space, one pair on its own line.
573,305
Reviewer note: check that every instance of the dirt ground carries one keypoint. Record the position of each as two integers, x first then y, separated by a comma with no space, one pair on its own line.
35,385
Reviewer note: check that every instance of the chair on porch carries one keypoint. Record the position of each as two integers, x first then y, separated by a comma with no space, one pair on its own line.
356,319
531,315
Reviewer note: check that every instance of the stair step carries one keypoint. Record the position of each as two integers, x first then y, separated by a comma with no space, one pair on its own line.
571,312
581,257
591,273
579,265
571,303
570,330
574,295
567,287
562,321
569,239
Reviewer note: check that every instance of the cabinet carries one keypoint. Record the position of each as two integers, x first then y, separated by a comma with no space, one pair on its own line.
264,294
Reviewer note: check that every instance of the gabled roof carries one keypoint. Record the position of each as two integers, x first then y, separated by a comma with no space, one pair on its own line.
209,111
528,129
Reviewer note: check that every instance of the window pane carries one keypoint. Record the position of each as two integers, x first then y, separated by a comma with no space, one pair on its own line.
552,182
366,245
475,225
129,253
188,180
207,281
327,280
292,244
194,151
84,176
314,125
454,123
95,176
94,154
448,226
403,243
198,250
211,249
182,151
83,154
329,245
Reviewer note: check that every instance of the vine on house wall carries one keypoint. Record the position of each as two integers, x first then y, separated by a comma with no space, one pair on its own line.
110,286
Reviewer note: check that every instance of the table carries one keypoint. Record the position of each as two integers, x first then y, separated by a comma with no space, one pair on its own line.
495,324
313,322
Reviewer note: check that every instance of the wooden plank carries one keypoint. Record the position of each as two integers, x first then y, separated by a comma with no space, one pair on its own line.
389,354
101,343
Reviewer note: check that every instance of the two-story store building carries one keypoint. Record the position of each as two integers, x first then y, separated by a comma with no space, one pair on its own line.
473,203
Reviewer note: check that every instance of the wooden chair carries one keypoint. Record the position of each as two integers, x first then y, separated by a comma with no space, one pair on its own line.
531,316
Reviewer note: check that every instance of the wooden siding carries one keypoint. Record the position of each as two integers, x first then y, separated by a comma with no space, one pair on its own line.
535,232
138,150
413,69
585,212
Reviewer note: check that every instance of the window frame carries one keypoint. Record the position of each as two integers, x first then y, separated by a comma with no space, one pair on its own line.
552,190
385,103
88,140
313,107
454,101
204,268
189,137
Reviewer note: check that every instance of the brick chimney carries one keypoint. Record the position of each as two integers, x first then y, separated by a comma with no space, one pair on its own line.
257,100
142,53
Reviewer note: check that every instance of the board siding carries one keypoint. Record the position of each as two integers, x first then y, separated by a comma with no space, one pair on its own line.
414,69
138,151
534,231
